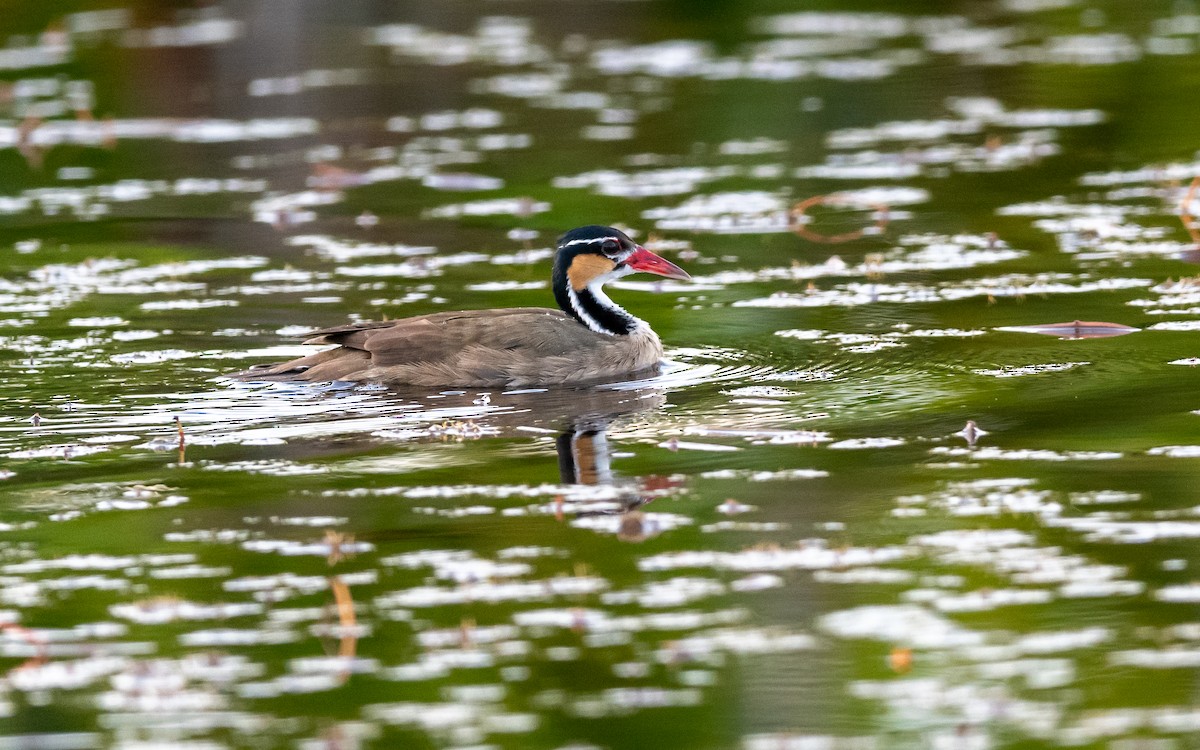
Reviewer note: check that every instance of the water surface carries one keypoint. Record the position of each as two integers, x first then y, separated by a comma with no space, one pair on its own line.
900,484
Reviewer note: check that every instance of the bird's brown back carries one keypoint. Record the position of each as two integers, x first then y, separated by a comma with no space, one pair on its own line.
539,332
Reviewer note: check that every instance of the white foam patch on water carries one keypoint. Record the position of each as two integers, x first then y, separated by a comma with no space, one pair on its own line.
188,304
420,268
675,444
523,257
570,492
762,436
764,476
270,467
92,133
135,335
902,131
1018,371
474,118
1155,174
500,206
343,250
752,147
777,740
243,414
989,599
1187,593
68,675
461,181
988,498
901,623
95,562
865,576
492,592
1105,497
99,322
744,526
292,548
65,452
1176,325
1024,454
220,638
506,286
152,356
813,556
623,701
158,611
866,443
862,293
762,391
974,541
671,592
936,159
653,182
1101,529
725,213
498,40
1176,451
865,343
633,526
190,571
1173,658
56,286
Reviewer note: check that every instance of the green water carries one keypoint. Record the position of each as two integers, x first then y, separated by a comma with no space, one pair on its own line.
785,540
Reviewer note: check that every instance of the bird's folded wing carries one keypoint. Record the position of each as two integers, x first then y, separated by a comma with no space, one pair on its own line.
436,337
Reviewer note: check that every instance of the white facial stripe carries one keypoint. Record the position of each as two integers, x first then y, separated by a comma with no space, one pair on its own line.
591,241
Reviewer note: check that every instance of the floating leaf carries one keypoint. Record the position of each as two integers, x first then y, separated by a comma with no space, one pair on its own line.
1077,329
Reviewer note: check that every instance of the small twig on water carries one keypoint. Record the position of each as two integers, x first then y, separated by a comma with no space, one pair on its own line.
1185,215
346,620
182,441
800,213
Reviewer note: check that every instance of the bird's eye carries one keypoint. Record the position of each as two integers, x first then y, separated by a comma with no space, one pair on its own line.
610,247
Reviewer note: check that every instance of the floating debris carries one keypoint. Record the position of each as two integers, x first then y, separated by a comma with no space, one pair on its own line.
1077,329
971,432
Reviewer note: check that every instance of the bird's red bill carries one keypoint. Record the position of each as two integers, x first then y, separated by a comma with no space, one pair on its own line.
644,260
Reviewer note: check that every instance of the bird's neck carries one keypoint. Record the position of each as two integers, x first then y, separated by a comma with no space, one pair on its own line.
592,307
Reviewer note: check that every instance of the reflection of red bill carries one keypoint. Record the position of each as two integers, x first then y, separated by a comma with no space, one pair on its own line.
1078,329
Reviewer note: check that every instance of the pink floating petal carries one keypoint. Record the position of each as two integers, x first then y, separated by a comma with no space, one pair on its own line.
1077,329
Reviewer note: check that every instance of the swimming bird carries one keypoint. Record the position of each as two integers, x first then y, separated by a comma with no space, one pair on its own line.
589,339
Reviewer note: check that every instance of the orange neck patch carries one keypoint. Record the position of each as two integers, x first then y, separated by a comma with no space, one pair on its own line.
585,268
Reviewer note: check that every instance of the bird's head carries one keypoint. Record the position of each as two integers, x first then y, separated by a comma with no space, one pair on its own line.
593,255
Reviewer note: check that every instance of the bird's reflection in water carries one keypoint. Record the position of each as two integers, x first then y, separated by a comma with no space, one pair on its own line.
584,458
582,418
